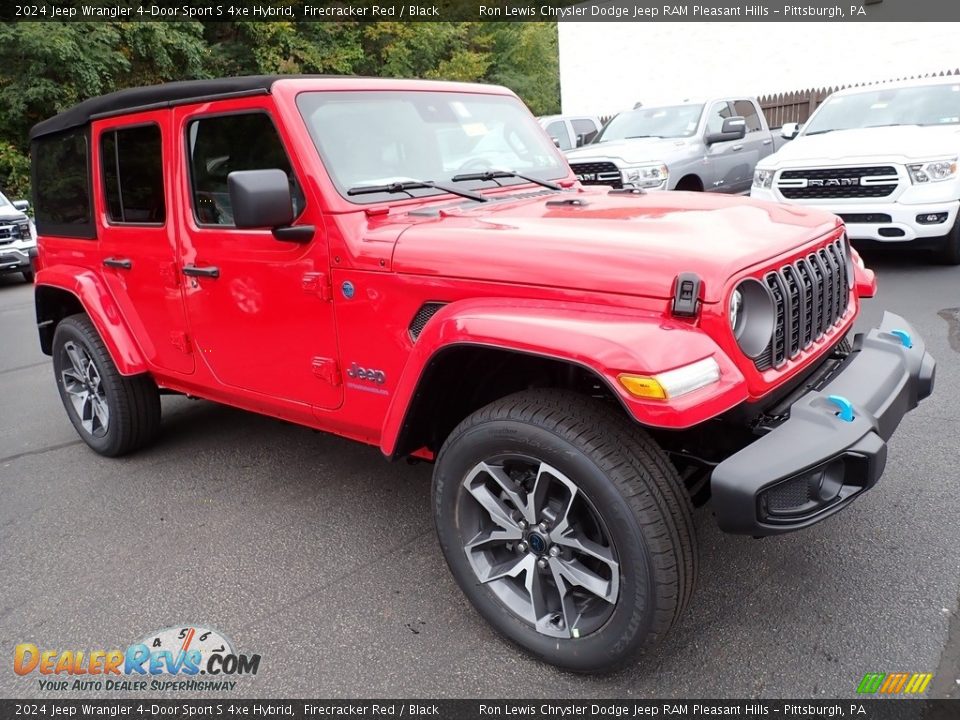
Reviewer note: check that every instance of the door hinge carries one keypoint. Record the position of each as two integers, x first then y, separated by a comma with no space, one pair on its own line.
181,341
317,283
327,370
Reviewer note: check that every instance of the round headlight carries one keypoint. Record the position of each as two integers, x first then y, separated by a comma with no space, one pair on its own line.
752,316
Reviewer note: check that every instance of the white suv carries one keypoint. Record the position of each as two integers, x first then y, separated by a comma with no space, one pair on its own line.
883,158
18,238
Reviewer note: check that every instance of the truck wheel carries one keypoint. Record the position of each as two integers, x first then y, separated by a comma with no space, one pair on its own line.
28,275
113,414
949,253
567,528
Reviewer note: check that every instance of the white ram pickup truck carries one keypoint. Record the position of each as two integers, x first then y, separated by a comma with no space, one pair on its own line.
882,158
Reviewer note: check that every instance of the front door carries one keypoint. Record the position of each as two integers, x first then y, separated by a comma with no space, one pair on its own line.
722,158
259,316
138,243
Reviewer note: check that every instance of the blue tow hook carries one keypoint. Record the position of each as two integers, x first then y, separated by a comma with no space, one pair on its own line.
904,336
846,408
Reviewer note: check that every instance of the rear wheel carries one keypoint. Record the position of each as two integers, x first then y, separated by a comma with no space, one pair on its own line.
112,413
567,528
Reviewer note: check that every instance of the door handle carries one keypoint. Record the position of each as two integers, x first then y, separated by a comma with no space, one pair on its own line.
768,141
119,263
735,148
193,271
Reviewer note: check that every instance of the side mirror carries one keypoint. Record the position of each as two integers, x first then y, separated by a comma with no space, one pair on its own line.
262,199
733,128
556,141
22,205
789,130
581,140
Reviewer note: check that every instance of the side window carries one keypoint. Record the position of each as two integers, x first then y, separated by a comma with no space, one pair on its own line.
220,145
558,129
586,128
718,113
748,111
61,184
132,163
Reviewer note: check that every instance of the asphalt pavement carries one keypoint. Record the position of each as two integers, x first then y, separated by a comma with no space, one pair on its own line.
320,556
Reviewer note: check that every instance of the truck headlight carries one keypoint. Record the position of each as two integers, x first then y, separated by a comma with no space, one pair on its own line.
762,179
934,171
645,176
752,316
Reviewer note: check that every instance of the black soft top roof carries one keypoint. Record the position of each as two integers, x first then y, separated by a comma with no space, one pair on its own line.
153,96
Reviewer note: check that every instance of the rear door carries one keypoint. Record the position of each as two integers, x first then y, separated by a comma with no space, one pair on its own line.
138,242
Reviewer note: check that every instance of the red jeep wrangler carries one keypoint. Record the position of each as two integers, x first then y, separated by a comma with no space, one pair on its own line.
413,265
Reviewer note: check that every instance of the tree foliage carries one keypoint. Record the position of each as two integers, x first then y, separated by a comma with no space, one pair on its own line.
47,67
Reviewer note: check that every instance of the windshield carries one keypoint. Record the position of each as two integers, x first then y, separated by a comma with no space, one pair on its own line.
927,105
673,121
380,138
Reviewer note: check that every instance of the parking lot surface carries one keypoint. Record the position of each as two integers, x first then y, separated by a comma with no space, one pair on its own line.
320,556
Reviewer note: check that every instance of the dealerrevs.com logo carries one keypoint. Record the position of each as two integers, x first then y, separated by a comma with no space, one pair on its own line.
185,658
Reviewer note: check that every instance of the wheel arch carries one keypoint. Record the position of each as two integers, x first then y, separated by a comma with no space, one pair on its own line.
691,182
474,352
60,292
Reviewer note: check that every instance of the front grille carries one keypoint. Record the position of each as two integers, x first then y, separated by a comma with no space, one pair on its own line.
598,173
810,296
426,311
830,183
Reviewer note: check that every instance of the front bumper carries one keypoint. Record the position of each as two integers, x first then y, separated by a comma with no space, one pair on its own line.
819,460
15,259
902,225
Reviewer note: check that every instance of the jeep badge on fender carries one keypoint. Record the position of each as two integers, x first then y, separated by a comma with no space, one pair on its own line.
561,353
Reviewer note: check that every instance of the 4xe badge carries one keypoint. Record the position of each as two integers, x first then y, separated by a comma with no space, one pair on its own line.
187,650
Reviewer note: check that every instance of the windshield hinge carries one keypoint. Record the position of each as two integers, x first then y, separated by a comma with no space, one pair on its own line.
317,283
686,295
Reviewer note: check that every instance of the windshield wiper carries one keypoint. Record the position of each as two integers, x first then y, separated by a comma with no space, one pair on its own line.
641,137
408,185
494,175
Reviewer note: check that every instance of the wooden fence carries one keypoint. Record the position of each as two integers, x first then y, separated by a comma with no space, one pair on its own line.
799,105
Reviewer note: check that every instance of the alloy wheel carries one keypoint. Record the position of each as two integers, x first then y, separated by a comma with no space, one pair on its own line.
537,542
84,387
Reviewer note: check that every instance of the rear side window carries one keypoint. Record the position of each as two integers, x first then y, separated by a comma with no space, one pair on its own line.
132,163
61,184
748,111
586,128
219,145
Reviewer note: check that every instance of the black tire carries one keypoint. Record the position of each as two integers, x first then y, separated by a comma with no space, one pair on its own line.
28,275
133,403
949,253
625,477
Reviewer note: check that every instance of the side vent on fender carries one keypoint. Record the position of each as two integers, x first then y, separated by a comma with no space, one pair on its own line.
426,311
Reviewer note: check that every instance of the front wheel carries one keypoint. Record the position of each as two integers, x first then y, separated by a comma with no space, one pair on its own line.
567,528
112,413
949,253
28,275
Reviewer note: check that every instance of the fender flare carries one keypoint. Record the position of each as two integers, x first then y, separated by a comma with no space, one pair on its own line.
606,341
100,307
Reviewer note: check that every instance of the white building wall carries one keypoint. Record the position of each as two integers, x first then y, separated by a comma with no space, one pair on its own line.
608,66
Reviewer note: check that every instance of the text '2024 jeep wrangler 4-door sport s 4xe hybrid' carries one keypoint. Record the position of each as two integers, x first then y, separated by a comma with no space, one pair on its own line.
413,265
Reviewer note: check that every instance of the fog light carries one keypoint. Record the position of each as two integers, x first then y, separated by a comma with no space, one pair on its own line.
932,218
